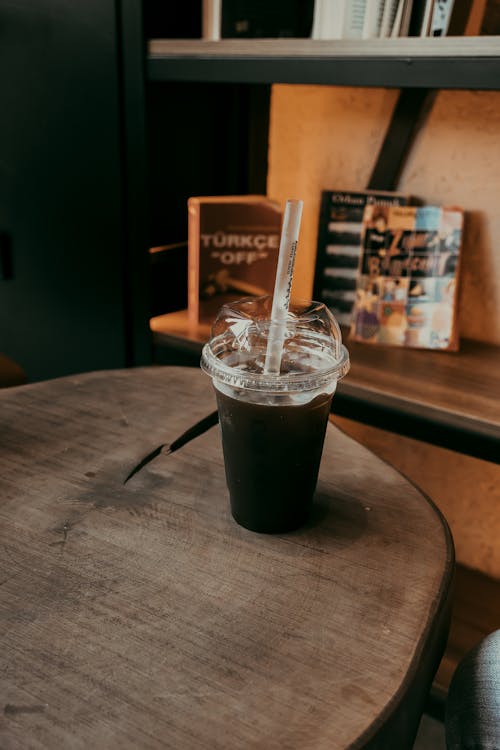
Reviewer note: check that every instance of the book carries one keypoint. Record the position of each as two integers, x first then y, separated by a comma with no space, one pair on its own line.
396,26
233,245
405,18
441,15
421,17
354,19
407,282
210,21
328,19
402,18
388,17
372,24
339,246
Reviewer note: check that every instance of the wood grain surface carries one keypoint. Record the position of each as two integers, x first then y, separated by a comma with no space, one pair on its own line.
464,384
143,616
329,48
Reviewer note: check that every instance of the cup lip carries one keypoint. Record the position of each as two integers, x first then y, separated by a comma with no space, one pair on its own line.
291,382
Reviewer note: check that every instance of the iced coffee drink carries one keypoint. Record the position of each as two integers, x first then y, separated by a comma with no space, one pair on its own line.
273,425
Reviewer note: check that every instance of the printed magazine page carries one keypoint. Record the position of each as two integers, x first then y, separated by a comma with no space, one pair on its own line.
339,246
406,290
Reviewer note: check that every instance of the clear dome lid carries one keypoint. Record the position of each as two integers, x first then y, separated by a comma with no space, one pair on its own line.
313,353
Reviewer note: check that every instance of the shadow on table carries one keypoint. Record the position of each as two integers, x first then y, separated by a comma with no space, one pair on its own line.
344,519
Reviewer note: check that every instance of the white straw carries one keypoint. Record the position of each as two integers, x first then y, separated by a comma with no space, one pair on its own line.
282,286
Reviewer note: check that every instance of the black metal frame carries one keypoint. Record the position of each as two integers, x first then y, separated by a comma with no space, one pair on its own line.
459,435
434,72
411,110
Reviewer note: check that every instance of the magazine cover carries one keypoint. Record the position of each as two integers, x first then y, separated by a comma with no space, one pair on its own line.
233,246
406,291
339,246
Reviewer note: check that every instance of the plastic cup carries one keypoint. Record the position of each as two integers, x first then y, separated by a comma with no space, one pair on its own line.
273,425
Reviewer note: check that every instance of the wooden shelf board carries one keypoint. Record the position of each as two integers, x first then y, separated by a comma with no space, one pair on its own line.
411,47
450,62
462,386
177,324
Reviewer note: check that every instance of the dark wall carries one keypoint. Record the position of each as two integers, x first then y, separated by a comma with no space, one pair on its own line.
203,139
60,186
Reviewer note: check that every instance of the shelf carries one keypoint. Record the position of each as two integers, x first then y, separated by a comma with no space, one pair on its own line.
444,398
450,62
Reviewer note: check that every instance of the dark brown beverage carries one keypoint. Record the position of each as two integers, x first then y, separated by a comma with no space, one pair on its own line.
273,405
272,456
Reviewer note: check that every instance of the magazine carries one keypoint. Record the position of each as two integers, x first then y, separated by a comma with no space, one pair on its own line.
339,246
406,290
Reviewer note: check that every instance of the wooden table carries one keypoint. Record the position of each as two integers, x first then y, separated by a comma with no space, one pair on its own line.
142,616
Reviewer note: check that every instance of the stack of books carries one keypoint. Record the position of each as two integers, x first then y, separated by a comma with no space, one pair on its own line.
369,19
348,19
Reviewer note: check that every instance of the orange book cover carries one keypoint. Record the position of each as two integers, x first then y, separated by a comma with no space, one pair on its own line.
233,245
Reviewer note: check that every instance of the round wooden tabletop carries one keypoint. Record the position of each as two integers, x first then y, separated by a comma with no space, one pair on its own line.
142,616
